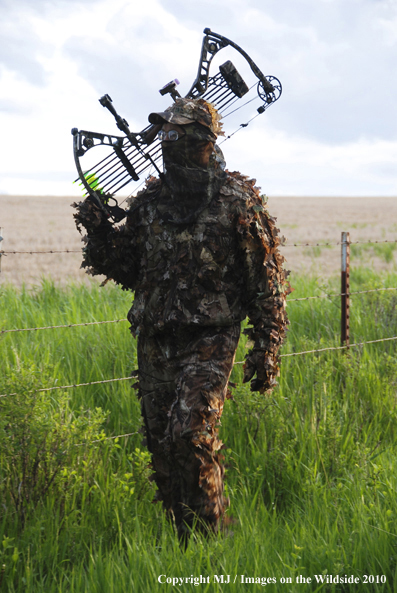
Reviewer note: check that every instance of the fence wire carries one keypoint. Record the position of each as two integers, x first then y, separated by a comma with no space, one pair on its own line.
338,243
326,296
327,244
332,348
75,385
339,347
132,377
40,252
345,347
118,436
30,329
321,296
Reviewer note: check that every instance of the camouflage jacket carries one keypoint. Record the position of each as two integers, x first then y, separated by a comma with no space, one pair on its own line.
214,271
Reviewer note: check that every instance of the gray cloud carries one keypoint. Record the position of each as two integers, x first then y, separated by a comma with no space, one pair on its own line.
350,86
15,107
335,58
19,49
205,13
124,66
40,6
57,176
119,75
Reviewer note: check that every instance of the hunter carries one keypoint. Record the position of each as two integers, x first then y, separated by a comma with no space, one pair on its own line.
200,250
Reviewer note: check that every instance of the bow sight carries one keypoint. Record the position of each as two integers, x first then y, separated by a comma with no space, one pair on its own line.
129,156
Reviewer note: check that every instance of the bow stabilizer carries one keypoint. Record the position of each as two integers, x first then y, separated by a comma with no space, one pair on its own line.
130,156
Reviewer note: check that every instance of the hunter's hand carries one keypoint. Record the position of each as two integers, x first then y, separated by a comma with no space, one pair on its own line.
264,366
90,216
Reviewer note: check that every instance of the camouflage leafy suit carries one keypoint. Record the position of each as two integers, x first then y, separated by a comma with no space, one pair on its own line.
200,250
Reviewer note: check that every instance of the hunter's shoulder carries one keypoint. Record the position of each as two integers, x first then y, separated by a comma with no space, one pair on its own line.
152,189
242,191
152,185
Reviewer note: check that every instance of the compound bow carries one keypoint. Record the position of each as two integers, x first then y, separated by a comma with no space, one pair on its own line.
133,154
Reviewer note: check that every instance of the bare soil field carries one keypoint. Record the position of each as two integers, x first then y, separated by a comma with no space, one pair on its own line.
46,224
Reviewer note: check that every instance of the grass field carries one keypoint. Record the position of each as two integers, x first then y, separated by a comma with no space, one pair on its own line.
311,471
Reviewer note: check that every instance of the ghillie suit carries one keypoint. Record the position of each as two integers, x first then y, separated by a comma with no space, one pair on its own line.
201,253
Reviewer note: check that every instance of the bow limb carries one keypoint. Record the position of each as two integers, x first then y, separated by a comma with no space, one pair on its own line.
90,190
212,43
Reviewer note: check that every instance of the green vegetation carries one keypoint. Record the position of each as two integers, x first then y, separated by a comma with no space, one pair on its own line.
316,250
385,251
361,252
311,471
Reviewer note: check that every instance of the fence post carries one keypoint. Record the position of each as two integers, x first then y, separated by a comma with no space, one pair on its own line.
1,238
345,290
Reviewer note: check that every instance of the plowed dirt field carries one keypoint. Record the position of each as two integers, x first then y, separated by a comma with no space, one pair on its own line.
46,224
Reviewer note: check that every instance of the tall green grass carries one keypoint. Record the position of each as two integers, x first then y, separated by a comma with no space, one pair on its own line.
311,471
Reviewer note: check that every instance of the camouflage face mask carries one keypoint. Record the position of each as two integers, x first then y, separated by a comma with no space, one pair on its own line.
188,151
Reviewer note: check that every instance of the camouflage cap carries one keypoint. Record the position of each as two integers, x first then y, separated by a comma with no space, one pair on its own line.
188,111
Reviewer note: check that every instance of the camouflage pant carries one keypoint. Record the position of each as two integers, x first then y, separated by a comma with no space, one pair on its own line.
183,378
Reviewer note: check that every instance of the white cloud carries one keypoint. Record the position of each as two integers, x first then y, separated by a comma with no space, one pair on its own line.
292,165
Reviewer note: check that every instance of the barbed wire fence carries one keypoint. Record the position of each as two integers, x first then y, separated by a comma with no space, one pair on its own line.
344,294
319,296
131,378
327,244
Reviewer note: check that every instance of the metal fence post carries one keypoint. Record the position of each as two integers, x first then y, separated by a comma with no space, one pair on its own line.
1,238
345,290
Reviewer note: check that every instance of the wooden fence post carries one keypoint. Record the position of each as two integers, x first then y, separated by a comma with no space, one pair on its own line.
1,238
345,290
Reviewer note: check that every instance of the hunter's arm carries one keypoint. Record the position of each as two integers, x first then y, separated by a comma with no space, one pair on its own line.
108,250
266,289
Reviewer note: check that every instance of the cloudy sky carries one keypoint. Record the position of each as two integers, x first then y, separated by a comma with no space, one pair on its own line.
333,131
